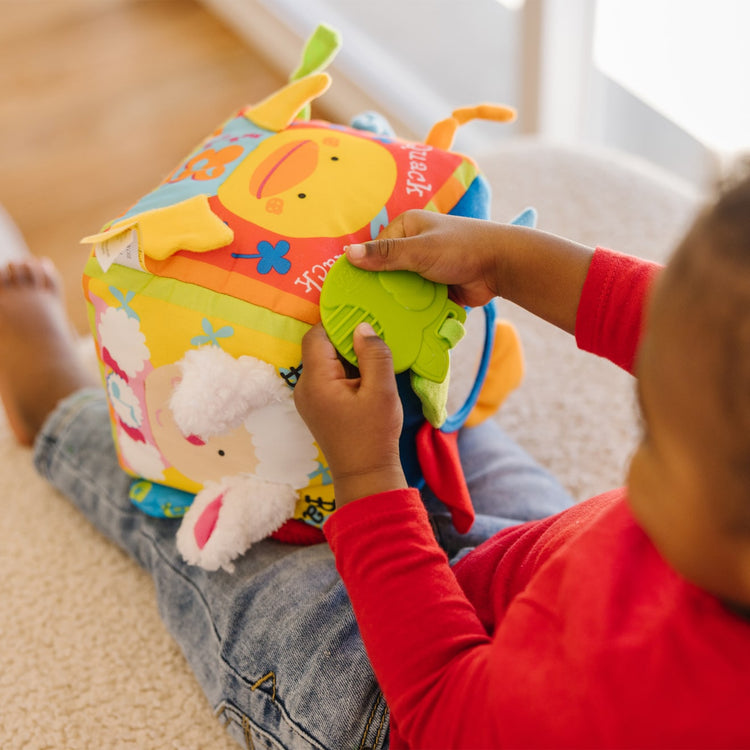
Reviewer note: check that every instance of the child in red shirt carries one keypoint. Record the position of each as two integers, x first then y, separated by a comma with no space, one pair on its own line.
622,622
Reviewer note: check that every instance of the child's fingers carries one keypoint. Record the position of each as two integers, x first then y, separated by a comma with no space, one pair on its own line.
319,368
319,354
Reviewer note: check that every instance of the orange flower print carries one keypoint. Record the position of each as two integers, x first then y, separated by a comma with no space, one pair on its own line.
209,164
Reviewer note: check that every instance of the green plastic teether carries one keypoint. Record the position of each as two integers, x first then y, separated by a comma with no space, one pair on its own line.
407,311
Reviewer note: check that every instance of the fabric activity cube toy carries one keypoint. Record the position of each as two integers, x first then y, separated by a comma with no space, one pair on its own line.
199,296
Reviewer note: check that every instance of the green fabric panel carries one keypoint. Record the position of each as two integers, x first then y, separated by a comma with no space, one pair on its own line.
199,299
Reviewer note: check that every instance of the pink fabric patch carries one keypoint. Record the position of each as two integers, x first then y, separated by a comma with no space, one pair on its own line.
108,360
206,523
133,432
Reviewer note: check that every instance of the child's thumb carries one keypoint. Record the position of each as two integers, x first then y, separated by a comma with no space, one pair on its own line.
374,357
383,254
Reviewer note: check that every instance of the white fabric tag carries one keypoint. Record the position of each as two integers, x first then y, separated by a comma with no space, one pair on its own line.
121,249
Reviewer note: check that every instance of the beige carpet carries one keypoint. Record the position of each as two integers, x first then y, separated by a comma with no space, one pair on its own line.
86,662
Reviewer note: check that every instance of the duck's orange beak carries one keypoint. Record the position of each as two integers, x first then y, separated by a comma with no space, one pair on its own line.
286,167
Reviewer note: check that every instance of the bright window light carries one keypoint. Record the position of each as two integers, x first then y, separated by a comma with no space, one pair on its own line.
512,4
688,59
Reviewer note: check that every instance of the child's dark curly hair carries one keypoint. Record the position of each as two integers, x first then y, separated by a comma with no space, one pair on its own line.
713,267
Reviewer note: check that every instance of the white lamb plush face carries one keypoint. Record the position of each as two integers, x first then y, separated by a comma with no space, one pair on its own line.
201,459
215,416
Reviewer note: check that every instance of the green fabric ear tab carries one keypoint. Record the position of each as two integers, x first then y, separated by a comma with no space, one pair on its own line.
319,51
452,331
434,395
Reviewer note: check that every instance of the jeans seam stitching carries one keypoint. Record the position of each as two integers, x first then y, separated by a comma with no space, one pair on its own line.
380,726
247,733
369,722
242,719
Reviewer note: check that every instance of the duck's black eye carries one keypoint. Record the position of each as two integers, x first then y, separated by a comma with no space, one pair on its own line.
334,158
221,453
302,195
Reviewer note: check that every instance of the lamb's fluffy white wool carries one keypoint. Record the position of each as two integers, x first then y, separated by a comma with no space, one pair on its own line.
251,509
218,391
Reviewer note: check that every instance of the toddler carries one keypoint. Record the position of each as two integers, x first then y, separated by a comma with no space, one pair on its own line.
621,621
624,621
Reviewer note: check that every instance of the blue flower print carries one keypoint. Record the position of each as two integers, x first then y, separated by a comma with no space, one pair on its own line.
124,301
212,337
271,257
323,472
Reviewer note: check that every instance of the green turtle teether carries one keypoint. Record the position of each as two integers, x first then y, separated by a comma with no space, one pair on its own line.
411,314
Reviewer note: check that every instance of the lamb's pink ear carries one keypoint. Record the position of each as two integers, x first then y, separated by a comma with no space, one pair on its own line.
277,112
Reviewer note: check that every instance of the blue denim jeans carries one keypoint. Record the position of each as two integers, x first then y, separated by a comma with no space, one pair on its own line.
274,645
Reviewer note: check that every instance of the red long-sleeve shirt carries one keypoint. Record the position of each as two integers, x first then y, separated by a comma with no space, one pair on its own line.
566,632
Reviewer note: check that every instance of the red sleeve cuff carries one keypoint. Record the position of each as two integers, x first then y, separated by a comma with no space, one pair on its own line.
368,515
611,311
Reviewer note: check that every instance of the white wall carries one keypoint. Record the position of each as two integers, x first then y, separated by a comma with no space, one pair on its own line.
416,60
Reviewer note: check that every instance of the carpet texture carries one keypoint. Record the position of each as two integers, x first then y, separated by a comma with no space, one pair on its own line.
86,662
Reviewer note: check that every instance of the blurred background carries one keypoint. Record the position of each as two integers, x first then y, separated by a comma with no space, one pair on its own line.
99,99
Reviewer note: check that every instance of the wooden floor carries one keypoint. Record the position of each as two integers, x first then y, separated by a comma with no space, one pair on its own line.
99,99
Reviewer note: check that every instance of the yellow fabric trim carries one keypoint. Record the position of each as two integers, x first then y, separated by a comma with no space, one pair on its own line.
278,111
188,225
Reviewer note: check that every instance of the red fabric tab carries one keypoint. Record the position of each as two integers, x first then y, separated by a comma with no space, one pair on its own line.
437,452
298,532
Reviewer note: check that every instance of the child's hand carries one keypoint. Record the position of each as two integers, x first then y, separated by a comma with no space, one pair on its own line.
479,259
460,252
356,422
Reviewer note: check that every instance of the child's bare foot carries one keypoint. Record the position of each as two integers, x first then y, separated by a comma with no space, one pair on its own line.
39,363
